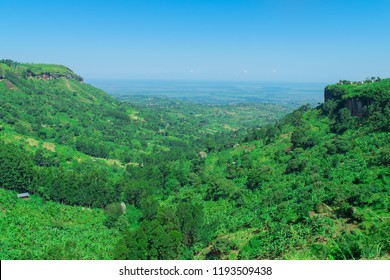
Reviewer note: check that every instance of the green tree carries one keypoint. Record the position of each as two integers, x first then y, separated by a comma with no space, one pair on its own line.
16,168
190,220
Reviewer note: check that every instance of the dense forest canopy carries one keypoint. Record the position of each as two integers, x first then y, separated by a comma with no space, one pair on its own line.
114,180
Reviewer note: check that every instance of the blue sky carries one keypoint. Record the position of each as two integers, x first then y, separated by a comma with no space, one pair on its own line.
275,40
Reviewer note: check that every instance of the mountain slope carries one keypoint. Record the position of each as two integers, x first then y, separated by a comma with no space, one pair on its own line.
316,185
53,104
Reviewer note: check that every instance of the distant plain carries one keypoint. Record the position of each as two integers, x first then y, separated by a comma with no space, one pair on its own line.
217,92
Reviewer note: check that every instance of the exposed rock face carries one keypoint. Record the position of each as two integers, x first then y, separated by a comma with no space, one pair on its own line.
356,105
53,75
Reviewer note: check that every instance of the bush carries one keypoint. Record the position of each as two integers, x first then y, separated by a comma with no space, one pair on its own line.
301,139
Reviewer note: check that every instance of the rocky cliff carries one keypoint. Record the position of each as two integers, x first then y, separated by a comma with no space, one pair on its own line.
357,97
354,104
357,105
38,71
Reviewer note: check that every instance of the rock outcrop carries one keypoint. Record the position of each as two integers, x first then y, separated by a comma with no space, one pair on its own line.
356,105
54,75
340,95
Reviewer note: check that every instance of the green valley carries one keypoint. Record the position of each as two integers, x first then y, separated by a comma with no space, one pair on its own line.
160,178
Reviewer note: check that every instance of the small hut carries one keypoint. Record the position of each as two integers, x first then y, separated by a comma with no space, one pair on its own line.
25,195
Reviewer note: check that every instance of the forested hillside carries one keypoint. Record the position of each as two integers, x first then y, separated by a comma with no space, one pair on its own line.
110,181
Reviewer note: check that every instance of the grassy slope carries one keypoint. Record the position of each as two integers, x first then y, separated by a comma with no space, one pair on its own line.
38,69
33,229
71,109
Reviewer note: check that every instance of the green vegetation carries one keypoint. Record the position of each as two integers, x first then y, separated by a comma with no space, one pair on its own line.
191,119
35,229
154,178
315,195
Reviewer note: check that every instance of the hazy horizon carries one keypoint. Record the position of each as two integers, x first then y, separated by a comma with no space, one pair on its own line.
217,92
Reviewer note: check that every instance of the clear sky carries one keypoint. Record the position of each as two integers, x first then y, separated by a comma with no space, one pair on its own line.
270,40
